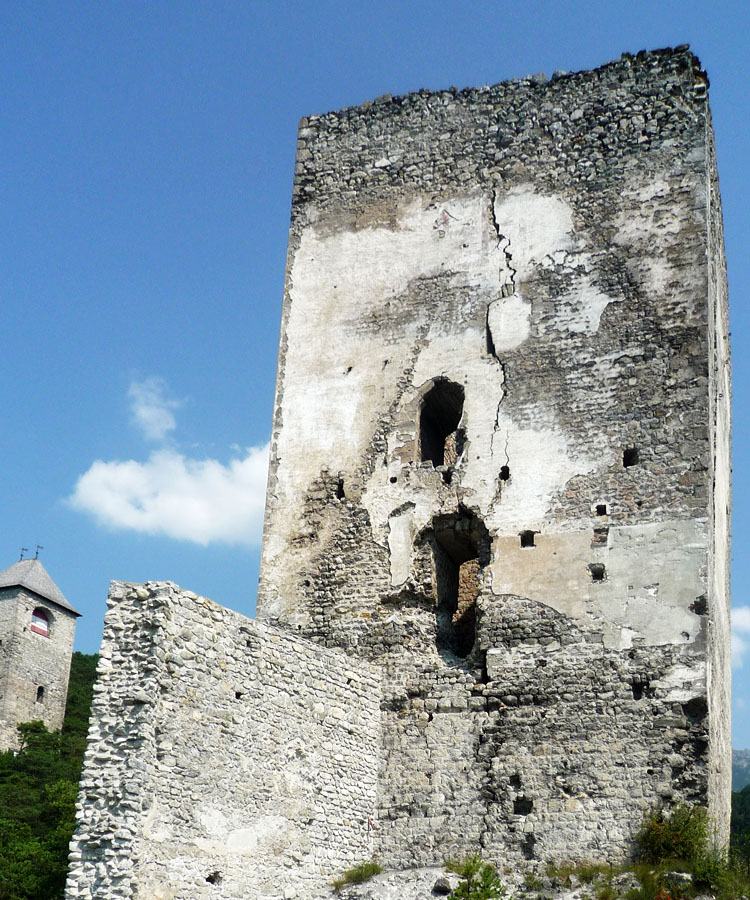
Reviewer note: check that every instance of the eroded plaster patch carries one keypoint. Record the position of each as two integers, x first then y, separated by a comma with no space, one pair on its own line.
536,225
509,322
400,543
542,461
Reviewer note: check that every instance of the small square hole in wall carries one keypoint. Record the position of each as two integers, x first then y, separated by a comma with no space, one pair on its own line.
527,538
630,457
601,509
598,572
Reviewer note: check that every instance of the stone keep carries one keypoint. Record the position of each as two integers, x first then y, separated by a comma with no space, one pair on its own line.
500,457
37,626
493,605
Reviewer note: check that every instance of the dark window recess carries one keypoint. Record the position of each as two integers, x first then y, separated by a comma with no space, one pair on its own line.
601,509
40,694
527,538
238,695
630,457
699,606
440,439
522,806
340,495
504,473
695,709
597,571
460,546
393,479
640,686
214,878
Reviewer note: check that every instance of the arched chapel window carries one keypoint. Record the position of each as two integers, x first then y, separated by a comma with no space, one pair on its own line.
40,694
40,621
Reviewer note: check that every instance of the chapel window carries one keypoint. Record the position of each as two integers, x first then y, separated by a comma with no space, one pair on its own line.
40,621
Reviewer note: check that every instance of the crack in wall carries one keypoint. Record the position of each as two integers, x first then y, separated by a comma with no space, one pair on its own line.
506,289
503,243
496,426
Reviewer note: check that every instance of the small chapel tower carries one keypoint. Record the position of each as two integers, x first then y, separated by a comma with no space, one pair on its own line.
37,626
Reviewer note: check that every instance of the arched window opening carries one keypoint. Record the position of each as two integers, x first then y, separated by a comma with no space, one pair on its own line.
40,694
40,621
461,550
440,439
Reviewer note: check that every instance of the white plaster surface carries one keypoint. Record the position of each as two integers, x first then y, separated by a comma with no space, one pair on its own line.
652,578
338,378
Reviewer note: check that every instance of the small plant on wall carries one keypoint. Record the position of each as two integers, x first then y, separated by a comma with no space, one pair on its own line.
480,881
361,872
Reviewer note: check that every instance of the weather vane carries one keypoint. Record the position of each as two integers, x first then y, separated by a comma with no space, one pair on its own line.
23,550
38,548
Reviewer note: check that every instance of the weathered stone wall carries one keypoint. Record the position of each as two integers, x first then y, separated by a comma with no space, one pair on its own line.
720,509
226,758
551,253
30,661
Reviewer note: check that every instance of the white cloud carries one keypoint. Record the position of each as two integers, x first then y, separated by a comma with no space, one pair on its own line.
202,501
740,634
150,408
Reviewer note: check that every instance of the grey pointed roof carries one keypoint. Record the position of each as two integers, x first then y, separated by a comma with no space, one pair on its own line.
31,574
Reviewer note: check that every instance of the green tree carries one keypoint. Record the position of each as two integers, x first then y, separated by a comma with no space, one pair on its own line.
38,788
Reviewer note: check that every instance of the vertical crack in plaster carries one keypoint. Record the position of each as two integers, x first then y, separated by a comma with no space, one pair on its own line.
503,243
507,287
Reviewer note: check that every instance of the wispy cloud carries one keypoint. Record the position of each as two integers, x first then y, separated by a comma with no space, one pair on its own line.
151,409
199,500
740,634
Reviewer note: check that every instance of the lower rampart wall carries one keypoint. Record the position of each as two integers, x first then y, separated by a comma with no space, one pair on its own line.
226,758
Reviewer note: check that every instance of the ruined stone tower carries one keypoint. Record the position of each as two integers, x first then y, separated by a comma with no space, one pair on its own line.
493,605
37,626
500,460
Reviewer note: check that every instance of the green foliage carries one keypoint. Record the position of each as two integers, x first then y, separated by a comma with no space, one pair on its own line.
672,835
741,822
38,789
532,881
361,872
678,841
480,880
588,872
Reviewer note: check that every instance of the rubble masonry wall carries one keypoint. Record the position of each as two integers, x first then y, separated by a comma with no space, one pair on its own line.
226,758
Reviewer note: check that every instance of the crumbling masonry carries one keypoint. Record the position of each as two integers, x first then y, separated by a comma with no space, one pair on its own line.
493,607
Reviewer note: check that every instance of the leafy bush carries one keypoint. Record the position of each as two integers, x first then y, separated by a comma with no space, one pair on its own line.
361,872
677,835
480,881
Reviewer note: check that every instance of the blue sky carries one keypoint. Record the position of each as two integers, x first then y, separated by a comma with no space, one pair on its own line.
148,152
